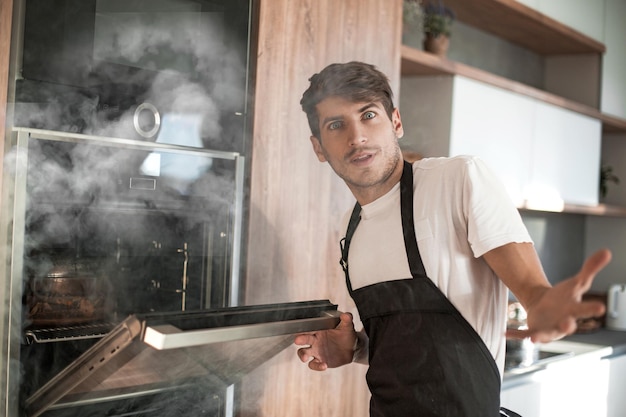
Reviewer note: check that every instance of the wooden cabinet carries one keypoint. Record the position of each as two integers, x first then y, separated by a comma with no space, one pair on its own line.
585,16
569,55
497,126
602,21
516,22
6,10
613,99
296,203
523,398
522,139
577,387
616,400
566,155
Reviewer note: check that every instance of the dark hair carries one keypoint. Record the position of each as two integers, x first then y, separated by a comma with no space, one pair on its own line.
354,81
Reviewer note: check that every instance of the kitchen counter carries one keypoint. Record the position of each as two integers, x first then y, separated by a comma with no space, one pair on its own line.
614,338
598,344
585,375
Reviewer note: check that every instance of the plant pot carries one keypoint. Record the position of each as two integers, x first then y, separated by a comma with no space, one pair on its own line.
437,45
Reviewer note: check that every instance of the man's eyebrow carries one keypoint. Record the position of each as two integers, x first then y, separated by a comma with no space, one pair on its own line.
360,110
367,106
331,119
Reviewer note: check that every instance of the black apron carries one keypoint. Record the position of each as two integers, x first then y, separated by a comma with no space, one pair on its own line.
425,359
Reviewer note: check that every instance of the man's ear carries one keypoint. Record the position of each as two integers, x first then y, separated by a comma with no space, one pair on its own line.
317,148
396,121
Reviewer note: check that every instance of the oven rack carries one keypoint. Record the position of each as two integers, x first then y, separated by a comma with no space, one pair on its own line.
68,333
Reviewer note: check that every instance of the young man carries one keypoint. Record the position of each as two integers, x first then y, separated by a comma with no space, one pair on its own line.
429,252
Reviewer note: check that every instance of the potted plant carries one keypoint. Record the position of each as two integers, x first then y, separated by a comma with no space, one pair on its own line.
412,12
606,176
412,23
437,23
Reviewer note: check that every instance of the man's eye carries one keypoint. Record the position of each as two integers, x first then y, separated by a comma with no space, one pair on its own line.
334,125
369,115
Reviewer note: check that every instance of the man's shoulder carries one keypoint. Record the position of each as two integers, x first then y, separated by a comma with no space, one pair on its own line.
460,162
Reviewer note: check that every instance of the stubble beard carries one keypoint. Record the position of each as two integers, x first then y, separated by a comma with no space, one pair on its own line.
372,178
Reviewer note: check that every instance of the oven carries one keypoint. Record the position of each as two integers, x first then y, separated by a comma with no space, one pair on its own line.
102,218
121,68
108,227
125,259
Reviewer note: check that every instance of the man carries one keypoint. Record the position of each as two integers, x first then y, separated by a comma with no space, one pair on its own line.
429,252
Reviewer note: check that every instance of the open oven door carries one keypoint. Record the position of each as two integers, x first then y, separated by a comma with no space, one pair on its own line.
151,353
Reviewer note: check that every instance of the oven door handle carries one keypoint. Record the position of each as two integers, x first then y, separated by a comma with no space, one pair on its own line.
166,336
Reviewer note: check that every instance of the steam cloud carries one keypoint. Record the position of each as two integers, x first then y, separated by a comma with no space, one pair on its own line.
186,64
186,69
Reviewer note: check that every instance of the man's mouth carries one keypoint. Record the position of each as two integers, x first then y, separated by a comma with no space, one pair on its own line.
361,157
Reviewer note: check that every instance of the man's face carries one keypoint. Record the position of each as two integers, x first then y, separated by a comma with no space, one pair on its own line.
360,143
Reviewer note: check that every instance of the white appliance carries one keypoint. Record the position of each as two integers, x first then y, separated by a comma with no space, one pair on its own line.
616,307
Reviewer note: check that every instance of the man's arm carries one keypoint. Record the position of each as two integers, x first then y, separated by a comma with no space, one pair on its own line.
552,311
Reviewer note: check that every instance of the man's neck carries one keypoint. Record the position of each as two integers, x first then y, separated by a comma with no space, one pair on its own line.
366,195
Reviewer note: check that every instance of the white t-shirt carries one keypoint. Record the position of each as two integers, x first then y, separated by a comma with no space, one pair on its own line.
461,211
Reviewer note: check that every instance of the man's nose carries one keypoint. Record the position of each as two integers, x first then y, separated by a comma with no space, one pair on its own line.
356,134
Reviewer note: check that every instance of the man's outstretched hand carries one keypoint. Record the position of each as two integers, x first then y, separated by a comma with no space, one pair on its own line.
554,314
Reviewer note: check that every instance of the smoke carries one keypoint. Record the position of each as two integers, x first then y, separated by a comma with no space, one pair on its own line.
178,58
81,204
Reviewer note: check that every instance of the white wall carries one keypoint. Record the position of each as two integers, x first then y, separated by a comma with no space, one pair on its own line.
586,16
610,232
607,232
613,100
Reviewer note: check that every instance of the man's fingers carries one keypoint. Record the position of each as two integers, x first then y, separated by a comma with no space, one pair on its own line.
304,355
317,365
594,264
305,339
345,321
590,309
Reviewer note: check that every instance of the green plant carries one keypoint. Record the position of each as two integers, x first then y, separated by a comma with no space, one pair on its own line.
412,12
606,176
438,19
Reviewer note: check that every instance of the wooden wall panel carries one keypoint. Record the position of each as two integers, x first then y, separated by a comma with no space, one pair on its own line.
296,202
6,12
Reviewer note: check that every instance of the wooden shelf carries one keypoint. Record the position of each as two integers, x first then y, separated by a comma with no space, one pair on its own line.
599,210
612,124
416,62
520,24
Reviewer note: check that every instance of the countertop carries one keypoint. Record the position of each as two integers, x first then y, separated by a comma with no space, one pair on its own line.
604,337
598,344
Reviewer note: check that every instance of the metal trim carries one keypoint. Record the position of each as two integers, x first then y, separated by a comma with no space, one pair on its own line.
151,108
166,336
89,363
123,143
234,283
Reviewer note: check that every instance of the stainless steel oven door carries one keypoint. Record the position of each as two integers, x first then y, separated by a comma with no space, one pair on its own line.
158,352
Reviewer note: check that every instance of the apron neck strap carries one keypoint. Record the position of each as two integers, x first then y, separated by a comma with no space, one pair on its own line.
344,243
408,222
408,228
